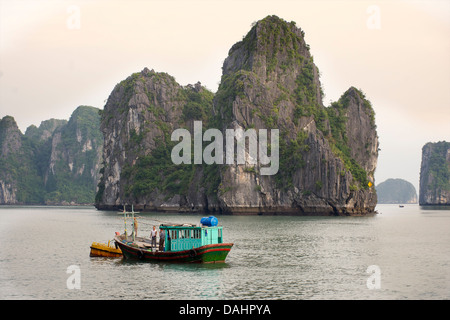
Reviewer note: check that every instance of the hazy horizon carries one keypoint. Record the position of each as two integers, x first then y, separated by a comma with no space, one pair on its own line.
56,56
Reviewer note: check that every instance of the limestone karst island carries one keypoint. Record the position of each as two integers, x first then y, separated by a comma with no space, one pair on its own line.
327,154
397,191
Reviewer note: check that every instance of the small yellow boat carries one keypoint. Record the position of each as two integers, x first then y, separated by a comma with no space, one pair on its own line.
105,250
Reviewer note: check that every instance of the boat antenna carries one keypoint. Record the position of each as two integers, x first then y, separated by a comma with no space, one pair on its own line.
125,220
132,219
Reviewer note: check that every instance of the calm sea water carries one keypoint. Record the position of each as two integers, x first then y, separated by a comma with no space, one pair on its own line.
273,257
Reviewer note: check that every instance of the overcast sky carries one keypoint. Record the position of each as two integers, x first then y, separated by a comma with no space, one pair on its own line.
56,55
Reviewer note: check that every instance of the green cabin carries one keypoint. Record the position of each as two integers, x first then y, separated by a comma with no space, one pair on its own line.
186,237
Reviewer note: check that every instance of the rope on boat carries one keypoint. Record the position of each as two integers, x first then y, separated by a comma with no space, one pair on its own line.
151,219
142,218
149,223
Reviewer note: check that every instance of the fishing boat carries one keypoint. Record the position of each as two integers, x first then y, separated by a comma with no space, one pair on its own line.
182,243
109,250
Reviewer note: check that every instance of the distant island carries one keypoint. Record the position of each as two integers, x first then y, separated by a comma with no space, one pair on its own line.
396,191
435,174
57,163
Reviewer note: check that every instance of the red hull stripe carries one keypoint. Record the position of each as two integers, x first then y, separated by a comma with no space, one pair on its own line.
175,255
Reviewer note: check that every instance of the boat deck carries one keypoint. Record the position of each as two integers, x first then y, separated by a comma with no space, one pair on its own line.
142,243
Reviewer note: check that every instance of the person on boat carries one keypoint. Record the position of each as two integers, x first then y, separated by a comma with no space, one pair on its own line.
135,223
153,235
162,237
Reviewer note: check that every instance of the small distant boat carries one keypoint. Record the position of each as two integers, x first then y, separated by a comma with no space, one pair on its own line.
105,250
182,243
401,206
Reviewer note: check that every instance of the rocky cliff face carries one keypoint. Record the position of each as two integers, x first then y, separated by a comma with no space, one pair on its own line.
57,163
19,172
45,130
71,172
435,174
138,119
327,155
10,144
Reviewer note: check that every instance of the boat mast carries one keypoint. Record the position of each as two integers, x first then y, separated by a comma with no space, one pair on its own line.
125,220
132,219
125,216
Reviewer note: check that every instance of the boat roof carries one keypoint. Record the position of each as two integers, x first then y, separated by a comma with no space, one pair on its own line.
184,226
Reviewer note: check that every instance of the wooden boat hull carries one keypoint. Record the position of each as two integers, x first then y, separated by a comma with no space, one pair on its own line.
103,250
213,253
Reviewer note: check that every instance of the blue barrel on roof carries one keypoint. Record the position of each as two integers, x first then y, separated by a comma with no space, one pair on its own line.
210,221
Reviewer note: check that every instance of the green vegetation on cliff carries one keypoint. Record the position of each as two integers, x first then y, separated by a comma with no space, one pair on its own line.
435,174
439,167
155,171
18,167
338,117
73,174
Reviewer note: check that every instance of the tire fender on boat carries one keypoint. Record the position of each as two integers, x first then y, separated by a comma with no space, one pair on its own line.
192,253
140,254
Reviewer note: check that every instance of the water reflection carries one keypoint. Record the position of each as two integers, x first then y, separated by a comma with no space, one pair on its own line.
424,209
163,265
